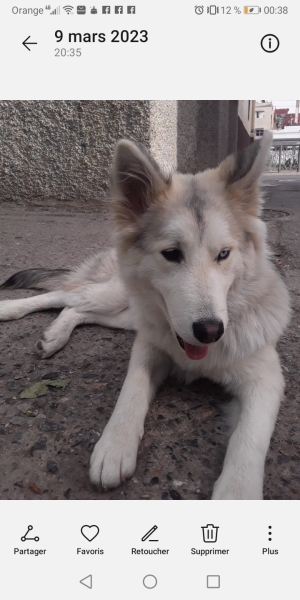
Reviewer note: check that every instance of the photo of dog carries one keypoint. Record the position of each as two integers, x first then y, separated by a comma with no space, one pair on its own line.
191,273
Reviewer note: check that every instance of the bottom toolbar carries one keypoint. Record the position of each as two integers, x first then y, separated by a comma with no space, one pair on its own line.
105,548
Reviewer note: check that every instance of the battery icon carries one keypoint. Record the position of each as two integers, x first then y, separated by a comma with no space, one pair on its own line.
213,9
252,10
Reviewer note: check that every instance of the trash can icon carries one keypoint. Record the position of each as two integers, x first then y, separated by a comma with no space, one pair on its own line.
210,534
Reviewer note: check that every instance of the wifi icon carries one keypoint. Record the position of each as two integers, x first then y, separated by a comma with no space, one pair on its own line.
68,9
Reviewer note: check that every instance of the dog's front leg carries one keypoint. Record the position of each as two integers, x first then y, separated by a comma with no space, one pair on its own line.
258,384
114,456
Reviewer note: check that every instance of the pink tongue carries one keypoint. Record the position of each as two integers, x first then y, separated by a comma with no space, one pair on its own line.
195,352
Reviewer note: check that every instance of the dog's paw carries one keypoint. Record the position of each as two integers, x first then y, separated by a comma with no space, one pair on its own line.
237,488
52,340
114,457
45,349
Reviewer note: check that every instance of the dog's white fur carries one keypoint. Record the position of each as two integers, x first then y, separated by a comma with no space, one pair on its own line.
134,287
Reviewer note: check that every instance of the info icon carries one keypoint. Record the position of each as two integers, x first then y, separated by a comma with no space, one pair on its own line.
106,10
131,10
119,10
270,43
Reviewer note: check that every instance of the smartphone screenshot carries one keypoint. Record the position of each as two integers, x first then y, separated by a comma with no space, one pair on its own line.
149,300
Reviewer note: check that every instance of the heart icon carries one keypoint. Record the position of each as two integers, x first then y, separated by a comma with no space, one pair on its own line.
90,532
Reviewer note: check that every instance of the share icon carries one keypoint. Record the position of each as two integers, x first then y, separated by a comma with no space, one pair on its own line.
25,538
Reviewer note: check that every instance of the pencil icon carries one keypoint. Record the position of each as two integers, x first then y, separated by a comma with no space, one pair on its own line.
147,535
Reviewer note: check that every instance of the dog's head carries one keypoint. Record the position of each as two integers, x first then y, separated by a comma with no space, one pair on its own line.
187,239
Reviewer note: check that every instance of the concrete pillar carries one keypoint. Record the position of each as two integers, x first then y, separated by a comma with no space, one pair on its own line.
207,133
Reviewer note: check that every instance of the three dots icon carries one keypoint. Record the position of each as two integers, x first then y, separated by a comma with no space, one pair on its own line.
270,533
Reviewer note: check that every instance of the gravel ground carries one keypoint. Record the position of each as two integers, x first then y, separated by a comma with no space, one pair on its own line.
45,443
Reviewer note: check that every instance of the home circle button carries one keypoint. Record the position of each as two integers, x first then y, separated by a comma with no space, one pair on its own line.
150,581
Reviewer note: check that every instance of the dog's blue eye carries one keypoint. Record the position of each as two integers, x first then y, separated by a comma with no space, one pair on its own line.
223,254
173,255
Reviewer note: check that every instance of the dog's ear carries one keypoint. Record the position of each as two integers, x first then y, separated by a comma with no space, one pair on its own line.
241,173
136,180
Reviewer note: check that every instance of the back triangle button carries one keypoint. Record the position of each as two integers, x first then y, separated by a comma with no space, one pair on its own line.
87,581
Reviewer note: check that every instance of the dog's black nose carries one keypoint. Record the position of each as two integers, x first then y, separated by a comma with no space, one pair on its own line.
208,330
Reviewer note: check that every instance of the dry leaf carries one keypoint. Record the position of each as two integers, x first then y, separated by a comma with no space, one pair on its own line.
34,488
40,388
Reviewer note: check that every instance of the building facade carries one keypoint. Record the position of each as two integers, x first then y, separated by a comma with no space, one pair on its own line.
264,117
283,118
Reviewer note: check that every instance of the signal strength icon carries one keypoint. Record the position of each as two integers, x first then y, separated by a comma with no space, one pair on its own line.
56,11
68,9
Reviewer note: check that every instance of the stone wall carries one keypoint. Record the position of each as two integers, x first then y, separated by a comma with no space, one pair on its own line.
61,151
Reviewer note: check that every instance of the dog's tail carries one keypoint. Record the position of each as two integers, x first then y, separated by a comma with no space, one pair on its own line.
41,279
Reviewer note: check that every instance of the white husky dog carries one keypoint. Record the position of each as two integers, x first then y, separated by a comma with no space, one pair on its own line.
190,273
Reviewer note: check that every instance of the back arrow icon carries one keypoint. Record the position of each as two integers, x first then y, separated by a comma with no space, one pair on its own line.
25,43
87,581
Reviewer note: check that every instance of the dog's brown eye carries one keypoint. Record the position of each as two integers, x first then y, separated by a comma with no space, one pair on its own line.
173,255
223,254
